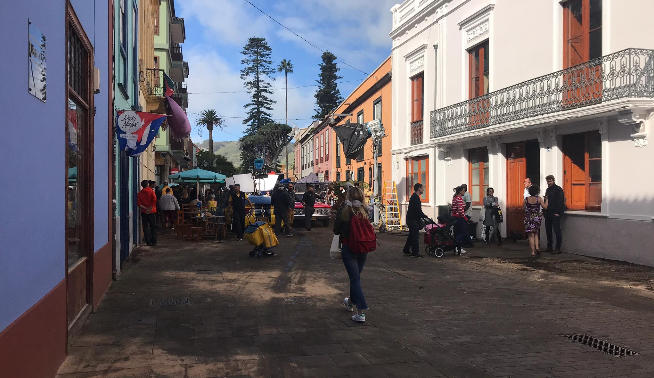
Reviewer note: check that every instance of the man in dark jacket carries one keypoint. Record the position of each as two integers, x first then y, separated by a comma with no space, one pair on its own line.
413,215
555,207
280,202
238,208
308,201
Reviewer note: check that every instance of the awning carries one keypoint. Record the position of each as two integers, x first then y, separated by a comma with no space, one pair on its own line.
198,175
353,136
311,178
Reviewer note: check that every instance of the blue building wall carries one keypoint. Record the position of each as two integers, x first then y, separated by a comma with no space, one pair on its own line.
32,255
32,220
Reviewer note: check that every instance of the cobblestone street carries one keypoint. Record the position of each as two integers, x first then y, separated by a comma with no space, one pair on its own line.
207,309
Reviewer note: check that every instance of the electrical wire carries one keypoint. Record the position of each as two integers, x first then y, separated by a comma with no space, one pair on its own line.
301,37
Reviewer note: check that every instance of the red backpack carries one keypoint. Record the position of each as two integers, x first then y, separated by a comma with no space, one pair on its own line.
362,238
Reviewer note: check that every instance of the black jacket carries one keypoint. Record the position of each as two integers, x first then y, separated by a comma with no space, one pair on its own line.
280,200
309,199
555,200
415,209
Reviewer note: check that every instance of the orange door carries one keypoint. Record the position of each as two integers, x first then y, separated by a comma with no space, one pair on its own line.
516,172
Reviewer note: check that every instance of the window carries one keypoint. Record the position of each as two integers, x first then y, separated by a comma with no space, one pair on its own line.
327,145
417,107
156,20
338,176
417,171
348,175
478,70
370,176
135,53
377,115
122,84
360,156
582,31
322,147
417,97
360,175
338,153
316,147
379,178
478,174
582,171
326,176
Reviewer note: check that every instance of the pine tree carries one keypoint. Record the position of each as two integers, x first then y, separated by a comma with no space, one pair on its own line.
328,97
257,70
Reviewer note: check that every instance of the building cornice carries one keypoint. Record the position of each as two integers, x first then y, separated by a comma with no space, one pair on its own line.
475,16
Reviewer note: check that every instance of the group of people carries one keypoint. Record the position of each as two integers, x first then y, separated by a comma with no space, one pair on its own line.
550,207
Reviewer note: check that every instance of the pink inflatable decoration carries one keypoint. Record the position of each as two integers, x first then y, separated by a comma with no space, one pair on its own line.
179,124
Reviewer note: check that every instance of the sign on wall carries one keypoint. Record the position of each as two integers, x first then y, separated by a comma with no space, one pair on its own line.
36,62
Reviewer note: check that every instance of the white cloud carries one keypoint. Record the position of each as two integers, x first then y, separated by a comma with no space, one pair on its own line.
225,20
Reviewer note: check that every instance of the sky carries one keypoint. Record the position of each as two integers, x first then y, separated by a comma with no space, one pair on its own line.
356,31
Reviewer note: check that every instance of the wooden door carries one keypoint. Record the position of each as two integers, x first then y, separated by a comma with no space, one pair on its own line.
574,171
516,172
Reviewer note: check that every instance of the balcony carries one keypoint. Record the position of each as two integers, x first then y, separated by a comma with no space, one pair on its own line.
178,71
177,30
176,53
152,82
416,133
569,93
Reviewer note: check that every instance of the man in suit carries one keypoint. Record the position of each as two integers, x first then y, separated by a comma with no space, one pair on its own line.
413,216
554,212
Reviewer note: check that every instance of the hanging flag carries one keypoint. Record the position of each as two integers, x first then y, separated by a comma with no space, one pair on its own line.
169,84
136,130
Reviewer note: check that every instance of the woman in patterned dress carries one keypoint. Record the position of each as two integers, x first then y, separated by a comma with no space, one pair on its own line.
534,205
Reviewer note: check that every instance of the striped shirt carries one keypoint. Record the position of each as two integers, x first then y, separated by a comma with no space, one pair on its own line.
458,207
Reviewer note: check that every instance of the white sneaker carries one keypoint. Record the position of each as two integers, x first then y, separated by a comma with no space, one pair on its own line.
359,318
349,306
463,251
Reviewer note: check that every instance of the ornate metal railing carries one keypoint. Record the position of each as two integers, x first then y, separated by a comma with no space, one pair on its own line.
176,52
625,74
152,81
416,133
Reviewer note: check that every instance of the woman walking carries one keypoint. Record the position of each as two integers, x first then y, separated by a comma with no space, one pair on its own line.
534,205
460,224
491,207
354,206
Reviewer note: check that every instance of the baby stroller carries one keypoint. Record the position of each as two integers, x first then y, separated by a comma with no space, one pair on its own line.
262,236
439,238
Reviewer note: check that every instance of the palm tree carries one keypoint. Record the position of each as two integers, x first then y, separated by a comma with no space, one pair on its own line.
287,67
210,118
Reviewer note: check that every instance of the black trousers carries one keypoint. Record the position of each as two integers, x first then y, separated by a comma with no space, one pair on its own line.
308,213
283,216
413,240
552,222
238,224
149,223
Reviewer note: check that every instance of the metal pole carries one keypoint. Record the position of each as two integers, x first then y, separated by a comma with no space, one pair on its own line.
286,147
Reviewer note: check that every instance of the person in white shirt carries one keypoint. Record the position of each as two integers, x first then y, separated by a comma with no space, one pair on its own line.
527,186
169,206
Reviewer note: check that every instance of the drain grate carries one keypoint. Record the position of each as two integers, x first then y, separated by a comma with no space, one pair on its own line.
601,345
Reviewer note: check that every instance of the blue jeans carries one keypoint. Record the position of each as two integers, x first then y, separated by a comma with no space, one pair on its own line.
354,263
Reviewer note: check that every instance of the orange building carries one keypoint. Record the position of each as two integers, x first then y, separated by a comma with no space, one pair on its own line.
370,100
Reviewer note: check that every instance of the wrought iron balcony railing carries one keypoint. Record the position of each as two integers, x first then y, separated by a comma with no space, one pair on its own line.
416,132
625,74
152,82
176,53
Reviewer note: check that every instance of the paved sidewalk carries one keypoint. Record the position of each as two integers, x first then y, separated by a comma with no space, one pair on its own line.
207,309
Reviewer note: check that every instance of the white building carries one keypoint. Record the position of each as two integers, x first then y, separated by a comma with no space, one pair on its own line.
488,92
305,140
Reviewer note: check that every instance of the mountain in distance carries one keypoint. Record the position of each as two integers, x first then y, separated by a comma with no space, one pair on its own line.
232,152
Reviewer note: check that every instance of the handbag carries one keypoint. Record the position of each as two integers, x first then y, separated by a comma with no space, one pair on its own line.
335,249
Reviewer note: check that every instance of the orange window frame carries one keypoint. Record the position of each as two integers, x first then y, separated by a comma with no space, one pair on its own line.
410,175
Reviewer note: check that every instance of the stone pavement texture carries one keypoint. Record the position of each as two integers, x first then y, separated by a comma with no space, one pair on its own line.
204,309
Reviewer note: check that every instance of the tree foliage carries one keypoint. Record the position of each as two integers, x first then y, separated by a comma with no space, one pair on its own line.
328,97
218,163
256,72
268,143
209,118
